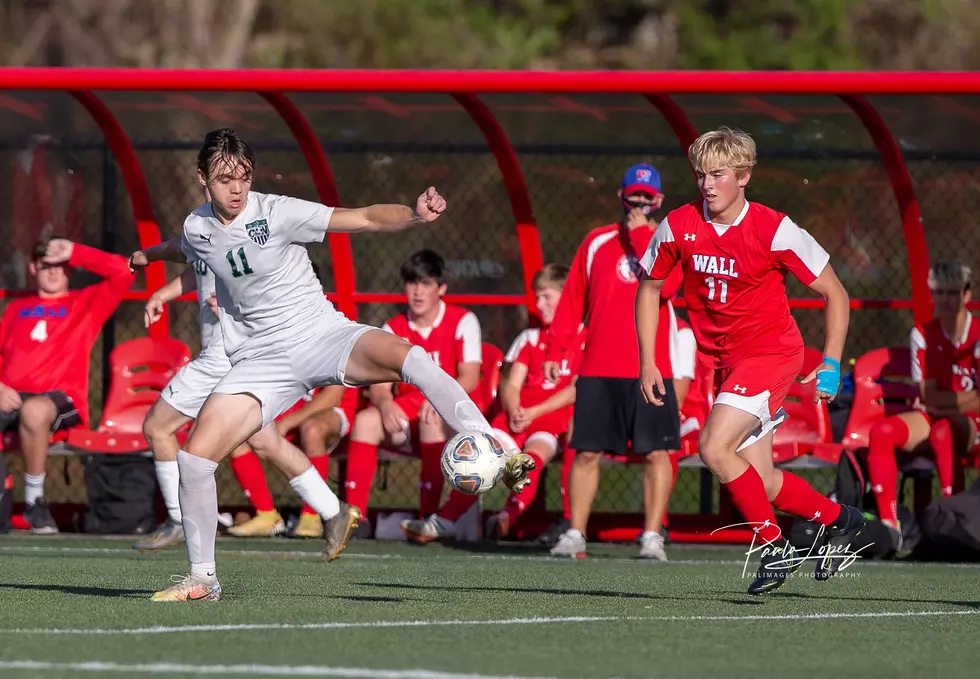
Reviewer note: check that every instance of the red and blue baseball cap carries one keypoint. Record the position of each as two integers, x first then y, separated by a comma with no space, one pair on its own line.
643,177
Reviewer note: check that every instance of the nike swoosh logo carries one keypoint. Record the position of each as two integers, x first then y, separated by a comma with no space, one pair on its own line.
203,596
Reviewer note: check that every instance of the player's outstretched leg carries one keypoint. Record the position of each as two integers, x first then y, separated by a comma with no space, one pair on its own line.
160,426
378,356
339,518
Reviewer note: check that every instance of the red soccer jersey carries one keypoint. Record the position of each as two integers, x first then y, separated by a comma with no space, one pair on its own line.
936,357
531,348
46,343
454,338
735,277
601,291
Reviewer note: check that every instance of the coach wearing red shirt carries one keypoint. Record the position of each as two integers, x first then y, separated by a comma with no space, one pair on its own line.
610,413
45,345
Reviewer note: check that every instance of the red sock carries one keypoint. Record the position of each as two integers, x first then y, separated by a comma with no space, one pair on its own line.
362,462
942,441
431,479
749,497
456,505
322,466
798,497
884,438
251,477
567,460
518,502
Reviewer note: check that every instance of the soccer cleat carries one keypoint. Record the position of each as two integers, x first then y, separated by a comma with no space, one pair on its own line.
497,527
189,588
551,536
895,532
262,525
779,561
308,526
837,547
337,531
423,531
516,471
652,546
39,517
166,534
571,544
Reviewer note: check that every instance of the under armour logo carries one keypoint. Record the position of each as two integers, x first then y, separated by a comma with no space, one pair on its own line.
690,236
740,389
207,238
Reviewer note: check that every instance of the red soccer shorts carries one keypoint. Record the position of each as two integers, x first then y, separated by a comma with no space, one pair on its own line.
547,429
757,385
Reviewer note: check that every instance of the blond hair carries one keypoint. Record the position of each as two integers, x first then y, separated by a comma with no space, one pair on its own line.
551,276
949,275
723,147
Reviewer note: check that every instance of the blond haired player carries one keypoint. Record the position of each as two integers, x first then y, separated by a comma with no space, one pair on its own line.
735,255
283,337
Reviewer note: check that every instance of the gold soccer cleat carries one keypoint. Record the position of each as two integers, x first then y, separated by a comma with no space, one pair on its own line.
309,526
337,531
188,588
262,525
516,471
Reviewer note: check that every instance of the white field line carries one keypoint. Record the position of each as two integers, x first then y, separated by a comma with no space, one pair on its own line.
388,624
251,670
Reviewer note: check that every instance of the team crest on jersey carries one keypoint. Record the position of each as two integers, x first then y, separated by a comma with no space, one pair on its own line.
628,268
258,231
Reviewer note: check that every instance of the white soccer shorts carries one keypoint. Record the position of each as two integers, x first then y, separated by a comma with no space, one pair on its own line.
280,376
191,386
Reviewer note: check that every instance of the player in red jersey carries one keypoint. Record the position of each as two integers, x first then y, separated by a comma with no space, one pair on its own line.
535,414
944,352
610,414
452,337
735,256
45,342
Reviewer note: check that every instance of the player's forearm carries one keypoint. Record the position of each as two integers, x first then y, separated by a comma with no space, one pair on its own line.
510,397
380,394
557,401
837,315
168,251
681,387
382,218
184,283
647,309
102,264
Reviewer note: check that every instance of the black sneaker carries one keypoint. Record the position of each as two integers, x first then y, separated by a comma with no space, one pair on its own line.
779,560
550,537
839,536
39,517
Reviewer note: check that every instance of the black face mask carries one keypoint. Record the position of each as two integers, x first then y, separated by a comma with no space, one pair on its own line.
628,205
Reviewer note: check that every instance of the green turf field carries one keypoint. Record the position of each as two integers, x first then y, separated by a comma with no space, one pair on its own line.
72,607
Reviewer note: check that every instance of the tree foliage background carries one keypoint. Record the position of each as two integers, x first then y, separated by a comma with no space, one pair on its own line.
542,34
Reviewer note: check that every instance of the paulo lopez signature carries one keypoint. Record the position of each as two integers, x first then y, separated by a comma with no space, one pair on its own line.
825,553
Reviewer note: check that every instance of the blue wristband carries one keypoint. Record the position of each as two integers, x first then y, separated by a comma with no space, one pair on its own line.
828,380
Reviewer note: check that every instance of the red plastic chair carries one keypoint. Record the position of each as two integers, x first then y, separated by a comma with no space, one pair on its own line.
881,389
140,370
493,361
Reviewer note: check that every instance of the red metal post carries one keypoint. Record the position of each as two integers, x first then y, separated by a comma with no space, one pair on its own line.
898,175
520,199
326,188
139,193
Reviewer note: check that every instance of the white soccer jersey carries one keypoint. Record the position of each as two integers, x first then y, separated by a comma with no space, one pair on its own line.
210,327
265,284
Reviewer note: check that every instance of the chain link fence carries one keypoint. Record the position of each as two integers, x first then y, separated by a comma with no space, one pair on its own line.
572,153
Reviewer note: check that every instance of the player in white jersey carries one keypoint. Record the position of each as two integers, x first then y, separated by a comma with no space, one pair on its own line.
282,335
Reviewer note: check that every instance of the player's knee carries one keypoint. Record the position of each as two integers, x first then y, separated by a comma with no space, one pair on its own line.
313,430
941,431
655,458
38,414
585,458
715,447
367,426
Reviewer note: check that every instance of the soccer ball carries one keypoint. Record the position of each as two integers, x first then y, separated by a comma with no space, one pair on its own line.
473,462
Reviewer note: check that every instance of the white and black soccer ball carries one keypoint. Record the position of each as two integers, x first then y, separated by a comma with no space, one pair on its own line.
473,462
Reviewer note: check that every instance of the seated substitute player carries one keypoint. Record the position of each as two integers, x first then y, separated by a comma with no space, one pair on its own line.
735,256
944,352
180,403
610,415
45,344
283,337
452,338
694,385
535,414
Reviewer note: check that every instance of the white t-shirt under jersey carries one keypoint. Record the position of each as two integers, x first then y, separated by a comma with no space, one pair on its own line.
266,288
210,327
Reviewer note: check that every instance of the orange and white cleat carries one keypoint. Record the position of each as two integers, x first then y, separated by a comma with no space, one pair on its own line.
189,588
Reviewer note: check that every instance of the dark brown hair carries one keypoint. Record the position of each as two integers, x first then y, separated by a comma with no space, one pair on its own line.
224,145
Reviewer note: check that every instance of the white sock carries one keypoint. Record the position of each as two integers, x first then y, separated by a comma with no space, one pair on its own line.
316,493
199,512
33,487
574,533
443,392
168,478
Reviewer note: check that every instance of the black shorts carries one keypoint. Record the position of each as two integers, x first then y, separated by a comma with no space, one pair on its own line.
610,413
67,414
